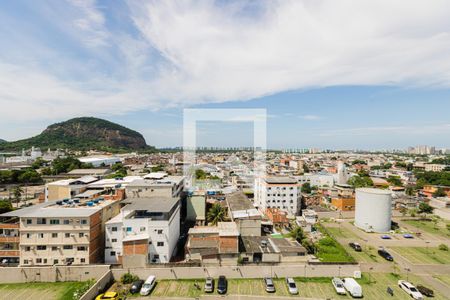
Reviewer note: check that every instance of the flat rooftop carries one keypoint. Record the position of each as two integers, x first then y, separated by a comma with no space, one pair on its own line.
151,204
281,180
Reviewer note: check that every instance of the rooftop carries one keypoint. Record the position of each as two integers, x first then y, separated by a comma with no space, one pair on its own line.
151,204
281,180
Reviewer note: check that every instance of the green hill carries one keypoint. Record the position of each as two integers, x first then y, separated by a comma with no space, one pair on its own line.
2,141
83,134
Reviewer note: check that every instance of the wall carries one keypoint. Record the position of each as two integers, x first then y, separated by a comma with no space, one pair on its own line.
99,286
52,274
284,270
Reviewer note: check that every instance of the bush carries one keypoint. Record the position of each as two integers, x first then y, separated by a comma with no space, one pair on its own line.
443,247
128,278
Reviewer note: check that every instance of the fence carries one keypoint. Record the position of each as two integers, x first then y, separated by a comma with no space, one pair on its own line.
101,285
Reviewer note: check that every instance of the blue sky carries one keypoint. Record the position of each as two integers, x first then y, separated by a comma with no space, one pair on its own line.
324,81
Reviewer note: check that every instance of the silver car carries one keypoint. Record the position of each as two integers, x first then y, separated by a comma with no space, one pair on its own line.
209,285
292,287
270,286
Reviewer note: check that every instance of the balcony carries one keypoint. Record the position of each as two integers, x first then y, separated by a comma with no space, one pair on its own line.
9,239
9,253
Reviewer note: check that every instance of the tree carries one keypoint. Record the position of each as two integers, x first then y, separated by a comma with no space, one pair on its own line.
297,233
306,188
443,247
216,214
410,191
360,181
425,208
439,193
17,193
5,206
395,181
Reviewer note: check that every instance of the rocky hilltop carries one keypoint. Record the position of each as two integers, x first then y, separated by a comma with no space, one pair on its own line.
83,134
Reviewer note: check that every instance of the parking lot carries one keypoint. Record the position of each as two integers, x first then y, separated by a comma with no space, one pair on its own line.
374,287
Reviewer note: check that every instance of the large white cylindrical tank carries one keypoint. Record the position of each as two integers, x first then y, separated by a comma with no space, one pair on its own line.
373,209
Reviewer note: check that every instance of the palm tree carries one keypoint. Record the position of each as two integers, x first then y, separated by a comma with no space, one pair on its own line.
216,214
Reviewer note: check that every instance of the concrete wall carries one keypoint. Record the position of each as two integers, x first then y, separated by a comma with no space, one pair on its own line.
52,274
288,270
101,285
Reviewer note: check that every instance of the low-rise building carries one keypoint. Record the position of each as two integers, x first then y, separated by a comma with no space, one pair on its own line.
166,186
145,232
67,188
244,214
9,240
196,207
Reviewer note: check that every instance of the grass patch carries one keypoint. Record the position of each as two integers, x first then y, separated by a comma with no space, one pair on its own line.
39,290
445,279
422,255
329,250
342,233
440,228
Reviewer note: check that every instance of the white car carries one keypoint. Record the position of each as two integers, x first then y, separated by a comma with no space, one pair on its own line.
148,285
410,289
338,286
292,287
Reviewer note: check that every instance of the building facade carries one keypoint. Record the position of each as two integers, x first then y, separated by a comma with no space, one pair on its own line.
278,192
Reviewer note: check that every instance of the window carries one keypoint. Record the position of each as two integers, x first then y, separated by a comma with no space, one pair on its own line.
112,253
67,235
38,260
41,247
81,248
40,235
42,221
160,231
54,235
28,235
66,222
160,244
142,229
82,260
67,247
113,228
25,261
27,248
54,248
156,256
114,240
55,261
129,229
54,222
29,221
84,221
45,260
81,234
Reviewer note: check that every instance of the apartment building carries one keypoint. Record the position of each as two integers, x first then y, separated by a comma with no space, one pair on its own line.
9,240
146,231
152,186
63,232
278,192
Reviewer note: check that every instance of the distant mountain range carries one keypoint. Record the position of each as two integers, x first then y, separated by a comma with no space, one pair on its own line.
83,134
2,141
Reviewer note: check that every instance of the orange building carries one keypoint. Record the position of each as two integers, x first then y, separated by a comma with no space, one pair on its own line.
429,190
344,204
277,216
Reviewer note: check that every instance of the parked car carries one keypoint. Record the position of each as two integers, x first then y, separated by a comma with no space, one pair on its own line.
386,237
338,285
270,287
209,285
222,285
355,246
136,286
425,291
408,236
108,296
354,289
383,253
410,289
148,285
292,287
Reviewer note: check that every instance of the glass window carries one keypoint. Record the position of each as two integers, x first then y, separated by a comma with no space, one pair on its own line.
81,234
42,221
112,253
113,228
67,247
160,231
54,222
29,221
54,235
66,222
67,235
82,260
160,244
83,221
54,248
129,229
114,240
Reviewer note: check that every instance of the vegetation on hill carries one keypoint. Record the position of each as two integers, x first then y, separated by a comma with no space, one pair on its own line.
83,134
2,141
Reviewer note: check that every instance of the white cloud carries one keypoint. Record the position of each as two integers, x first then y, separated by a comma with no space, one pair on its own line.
201,51
310,117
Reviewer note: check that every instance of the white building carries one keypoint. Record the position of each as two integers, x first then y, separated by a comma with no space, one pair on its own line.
98,161
146,231
278,192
